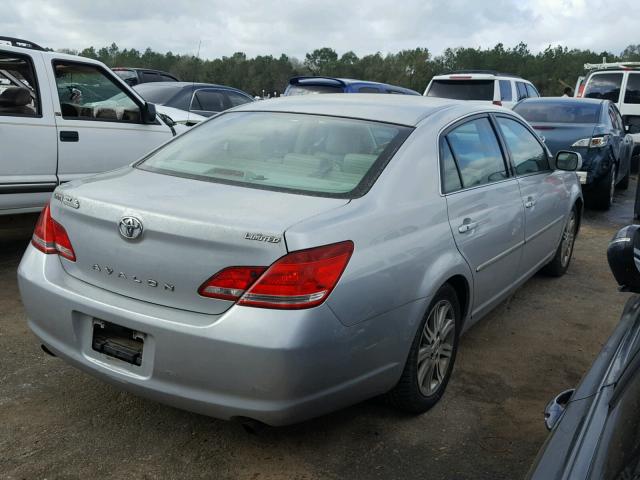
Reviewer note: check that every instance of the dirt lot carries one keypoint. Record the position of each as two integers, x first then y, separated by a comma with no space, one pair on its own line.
56,422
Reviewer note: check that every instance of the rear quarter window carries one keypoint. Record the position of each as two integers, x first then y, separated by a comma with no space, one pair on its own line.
632,93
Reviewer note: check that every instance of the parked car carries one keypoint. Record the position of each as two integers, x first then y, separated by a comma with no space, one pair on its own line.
205,99
594,129
620,83
63,117
310,85
136,76
595,427
485,86
293,256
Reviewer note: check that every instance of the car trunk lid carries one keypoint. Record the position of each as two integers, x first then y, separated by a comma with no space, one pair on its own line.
560,136
191,229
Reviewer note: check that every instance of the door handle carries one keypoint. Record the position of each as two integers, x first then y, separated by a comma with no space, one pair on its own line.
69,136
467,225
529,203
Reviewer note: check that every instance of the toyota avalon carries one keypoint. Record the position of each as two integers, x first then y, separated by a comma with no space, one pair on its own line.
291,257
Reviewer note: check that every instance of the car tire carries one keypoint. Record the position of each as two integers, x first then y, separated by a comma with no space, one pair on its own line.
602,195
432,355
624,183
559,265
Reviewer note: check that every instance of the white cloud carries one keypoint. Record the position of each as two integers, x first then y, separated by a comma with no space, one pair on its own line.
295,27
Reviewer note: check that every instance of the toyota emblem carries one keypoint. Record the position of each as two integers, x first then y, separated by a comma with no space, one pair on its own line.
130,228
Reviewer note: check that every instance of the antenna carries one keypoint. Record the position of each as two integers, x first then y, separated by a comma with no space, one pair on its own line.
193,82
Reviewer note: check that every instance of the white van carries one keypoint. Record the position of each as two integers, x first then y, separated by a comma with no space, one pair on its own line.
620,83
482,86
63,117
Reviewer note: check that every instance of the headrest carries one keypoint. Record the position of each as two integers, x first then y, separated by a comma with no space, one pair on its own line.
15,97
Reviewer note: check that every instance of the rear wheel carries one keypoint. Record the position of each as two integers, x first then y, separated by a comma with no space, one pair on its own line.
560,263
624,183
602,195
432,355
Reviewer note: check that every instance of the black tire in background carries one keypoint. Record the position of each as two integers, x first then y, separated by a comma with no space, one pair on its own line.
601,196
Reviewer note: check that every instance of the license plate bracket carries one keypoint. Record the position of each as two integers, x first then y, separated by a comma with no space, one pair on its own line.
118,342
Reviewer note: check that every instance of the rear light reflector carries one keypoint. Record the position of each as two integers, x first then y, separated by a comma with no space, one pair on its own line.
301,279
230,283
51,238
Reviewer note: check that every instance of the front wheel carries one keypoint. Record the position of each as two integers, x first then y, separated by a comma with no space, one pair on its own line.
560,263
432,355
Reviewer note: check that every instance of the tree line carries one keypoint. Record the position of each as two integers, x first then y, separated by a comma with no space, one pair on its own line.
551,70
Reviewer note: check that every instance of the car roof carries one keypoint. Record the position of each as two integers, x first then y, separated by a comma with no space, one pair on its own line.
179,85
407,110
316,80
477,75
567,100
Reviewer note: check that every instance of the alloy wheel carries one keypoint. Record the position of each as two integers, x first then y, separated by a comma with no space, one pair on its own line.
436,347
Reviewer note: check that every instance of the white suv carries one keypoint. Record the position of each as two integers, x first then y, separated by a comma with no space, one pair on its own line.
483,86
620,83
63,117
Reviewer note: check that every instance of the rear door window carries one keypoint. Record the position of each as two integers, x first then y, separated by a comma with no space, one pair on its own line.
18,86
605,86
505,91
527,154
236,99
462,89
522,90
477,153
632,93
531,91
208,100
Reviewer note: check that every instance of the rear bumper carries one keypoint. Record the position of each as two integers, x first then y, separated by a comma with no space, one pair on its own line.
277,367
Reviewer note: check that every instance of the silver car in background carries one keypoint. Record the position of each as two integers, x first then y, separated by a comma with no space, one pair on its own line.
291,257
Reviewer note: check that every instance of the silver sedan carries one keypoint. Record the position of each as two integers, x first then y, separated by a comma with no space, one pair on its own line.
290,257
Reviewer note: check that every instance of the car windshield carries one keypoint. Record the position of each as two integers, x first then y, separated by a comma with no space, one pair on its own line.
301,153
559,112
462,89
310,89
154,93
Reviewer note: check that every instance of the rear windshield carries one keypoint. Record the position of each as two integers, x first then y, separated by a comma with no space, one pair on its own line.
309,89
125,74
159,94
462,89
559,112
311,154
605,86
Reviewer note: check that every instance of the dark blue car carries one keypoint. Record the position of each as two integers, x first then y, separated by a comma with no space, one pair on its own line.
591,127
307,85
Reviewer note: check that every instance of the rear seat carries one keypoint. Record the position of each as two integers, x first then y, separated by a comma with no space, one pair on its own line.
16,100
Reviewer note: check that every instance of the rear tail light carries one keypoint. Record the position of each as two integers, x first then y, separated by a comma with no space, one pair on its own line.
580,91
301,279
497,102
51,237
594,142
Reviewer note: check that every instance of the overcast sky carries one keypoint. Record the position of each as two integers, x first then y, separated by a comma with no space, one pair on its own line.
295,27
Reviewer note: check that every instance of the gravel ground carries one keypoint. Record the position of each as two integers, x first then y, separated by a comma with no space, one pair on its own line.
56,422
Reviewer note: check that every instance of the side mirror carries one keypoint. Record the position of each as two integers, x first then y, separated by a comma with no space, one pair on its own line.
569,161
148,112
623,261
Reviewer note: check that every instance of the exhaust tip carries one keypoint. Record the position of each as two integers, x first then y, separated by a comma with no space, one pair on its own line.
46,350
251,426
